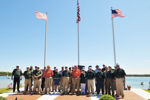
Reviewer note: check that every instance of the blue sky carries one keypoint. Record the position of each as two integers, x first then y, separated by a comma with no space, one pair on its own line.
22,34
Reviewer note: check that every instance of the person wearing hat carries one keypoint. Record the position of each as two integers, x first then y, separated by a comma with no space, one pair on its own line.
104,70
99,81
56,79
120,76
28,76
16,77
83,81
43,78
96,70
48,79
66,76
110,80
31,69
76,79
37,74
61,79
90,80
70,79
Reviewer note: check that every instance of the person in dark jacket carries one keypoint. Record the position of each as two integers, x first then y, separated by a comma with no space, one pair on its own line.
120,77
56,79
16,77
110,81
90,80
83,81
66,76
28,76
100,81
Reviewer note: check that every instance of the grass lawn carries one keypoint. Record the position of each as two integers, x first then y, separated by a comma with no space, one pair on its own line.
3,90
147,90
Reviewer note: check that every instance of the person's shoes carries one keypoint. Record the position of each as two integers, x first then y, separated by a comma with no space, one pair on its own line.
72,93
88,95
78,93
24,93
63,93
122,96
18,91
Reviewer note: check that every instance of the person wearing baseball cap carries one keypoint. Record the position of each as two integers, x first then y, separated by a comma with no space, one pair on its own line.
76,79
90,80
66,76
120,77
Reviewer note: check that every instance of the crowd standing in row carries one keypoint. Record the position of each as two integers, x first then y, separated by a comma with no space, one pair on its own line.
72,80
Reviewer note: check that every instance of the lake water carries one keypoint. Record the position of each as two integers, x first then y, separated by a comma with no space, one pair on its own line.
135,82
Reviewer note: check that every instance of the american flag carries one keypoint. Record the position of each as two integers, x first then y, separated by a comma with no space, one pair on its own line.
78,12
40,15
117,13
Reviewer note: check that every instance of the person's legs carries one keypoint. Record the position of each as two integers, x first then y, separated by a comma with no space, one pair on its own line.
112,86
109,85
121,87
89,86
117,86
92,86
73,85
67,84
29,84
46,85
97,87
102,87
78,84
64,84
39,86
25,86
51,84
106,86
18,84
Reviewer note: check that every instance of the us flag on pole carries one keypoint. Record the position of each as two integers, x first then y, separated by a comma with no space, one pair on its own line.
40,15
117,13
78,12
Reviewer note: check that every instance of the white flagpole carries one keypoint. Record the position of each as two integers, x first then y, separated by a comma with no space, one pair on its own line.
45,41
78,36
113,33
78,43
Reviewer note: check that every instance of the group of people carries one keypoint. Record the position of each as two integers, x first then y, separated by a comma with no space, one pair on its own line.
71,80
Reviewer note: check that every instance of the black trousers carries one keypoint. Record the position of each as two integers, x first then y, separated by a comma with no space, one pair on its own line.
16,81
43,83
100,85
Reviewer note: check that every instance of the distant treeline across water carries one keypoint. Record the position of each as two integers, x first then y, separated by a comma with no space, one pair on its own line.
5,73
128,75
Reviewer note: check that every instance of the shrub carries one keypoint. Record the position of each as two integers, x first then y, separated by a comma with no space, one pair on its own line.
2,98
106,97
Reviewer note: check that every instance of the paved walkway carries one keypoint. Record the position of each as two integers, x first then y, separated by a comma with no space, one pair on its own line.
134,94
141,93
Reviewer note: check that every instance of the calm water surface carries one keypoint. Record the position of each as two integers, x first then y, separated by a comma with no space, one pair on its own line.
135,82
